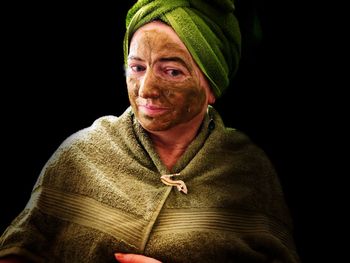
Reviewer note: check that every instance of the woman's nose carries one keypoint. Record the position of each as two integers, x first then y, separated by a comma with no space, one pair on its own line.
149,86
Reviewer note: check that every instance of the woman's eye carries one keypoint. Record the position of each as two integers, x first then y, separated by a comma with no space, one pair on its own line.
174,72
137,68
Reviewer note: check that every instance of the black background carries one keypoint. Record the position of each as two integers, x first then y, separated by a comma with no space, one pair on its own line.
62,68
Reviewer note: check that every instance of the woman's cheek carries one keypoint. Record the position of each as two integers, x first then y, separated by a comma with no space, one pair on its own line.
132,87
194,97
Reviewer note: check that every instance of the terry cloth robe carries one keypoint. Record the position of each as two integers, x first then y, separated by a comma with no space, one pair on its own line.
101,193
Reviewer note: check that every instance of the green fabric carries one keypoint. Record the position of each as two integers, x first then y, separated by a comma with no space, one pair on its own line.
101,193
209,30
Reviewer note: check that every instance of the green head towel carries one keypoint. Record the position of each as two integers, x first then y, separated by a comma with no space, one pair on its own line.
208,28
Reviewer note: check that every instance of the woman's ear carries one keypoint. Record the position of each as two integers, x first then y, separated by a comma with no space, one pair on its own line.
205,84
211,96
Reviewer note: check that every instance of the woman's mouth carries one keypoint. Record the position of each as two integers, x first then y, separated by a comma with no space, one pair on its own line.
152,110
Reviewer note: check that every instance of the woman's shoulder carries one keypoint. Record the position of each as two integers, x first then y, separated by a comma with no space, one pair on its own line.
226,135
101,129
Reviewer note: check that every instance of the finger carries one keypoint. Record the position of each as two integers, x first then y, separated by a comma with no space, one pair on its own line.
134,258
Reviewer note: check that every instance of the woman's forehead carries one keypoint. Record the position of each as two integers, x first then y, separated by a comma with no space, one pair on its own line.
157,32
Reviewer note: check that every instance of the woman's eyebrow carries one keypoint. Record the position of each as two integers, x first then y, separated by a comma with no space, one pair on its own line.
135,58
166,59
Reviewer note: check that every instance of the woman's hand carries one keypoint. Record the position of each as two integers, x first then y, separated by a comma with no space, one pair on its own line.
134,258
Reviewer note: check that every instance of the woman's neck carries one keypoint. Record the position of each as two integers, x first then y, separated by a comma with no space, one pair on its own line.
172,143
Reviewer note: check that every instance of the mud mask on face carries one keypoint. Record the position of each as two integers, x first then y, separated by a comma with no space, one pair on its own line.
168,79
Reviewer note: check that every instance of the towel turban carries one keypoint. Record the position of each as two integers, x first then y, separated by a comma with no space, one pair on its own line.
208,28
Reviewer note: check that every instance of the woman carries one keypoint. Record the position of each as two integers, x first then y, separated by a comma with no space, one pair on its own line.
166,181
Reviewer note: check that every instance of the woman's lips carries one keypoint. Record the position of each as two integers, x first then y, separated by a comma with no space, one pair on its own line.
152,110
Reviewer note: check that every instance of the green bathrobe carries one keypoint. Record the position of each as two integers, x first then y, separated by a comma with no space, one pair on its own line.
101,193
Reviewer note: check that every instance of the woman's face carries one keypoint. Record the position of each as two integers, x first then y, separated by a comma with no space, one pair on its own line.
165,86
